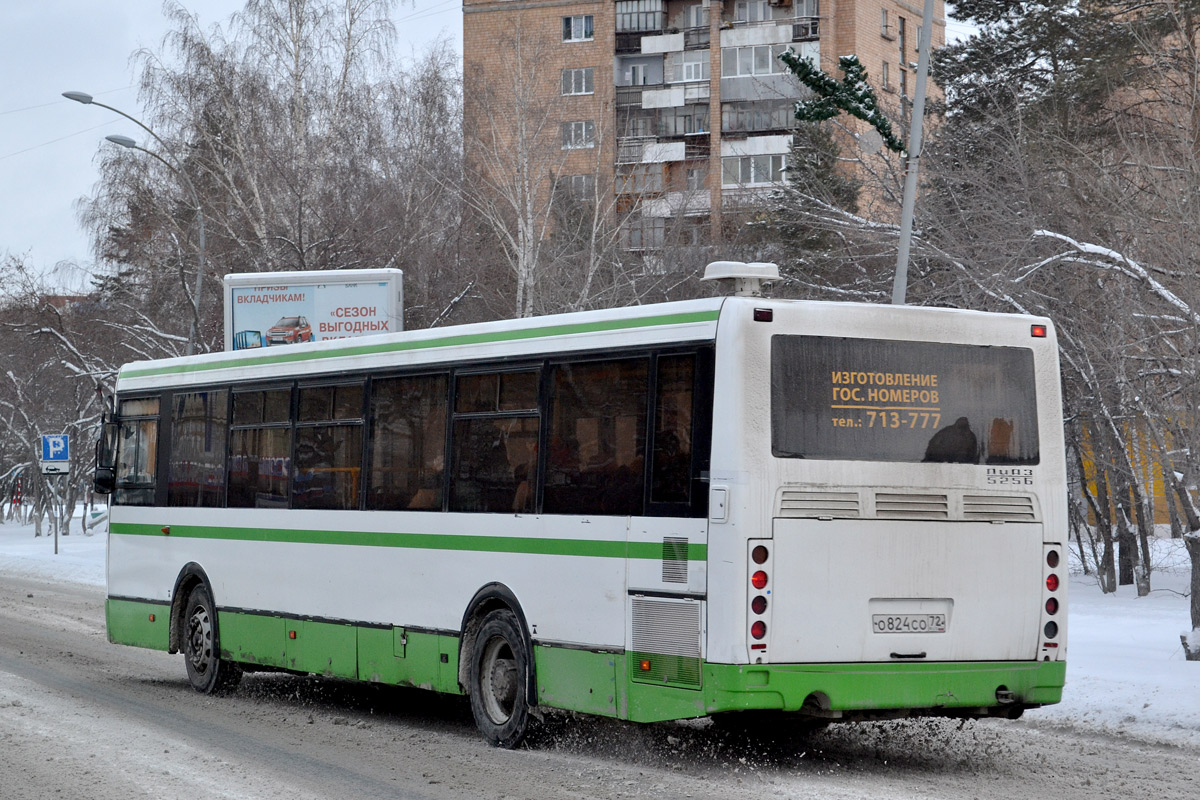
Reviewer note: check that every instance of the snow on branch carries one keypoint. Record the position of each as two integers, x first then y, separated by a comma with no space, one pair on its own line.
1107,258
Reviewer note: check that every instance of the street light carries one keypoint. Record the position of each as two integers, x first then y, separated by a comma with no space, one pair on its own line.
125,141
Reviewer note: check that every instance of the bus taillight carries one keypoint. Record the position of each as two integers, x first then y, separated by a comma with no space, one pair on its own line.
1052,582
759,580
759,629
1052,559
759,604
1052,606
759,554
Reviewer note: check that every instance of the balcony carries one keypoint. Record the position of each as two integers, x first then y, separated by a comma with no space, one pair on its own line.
630,149
806,29
696,146
772,31
629,96
628,43
696,38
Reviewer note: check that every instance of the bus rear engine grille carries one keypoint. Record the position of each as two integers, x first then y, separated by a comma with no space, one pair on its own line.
800,503
989,507
890,505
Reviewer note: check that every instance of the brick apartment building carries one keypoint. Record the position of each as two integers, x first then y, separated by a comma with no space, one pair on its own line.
678,109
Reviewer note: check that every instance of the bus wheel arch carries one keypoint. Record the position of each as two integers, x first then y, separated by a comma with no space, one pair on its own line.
496,666
189,578
195,630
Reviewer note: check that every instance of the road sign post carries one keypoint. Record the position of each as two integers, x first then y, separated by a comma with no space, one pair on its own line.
56,460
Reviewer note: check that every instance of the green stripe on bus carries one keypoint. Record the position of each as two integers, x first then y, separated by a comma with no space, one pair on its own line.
420,541
425,344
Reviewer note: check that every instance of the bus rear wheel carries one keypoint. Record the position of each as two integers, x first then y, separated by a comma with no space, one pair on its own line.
207,671
498,678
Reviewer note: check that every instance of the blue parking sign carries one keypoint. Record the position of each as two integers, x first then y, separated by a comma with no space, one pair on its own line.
56,448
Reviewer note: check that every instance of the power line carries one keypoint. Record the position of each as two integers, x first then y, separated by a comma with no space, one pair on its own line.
53,141
55,102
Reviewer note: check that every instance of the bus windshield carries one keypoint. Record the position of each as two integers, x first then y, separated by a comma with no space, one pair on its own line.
886,400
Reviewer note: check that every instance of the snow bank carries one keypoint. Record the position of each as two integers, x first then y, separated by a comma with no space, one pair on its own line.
1126,671
80,557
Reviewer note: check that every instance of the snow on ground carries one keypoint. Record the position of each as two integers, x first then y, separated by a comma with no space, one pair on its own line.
1126,673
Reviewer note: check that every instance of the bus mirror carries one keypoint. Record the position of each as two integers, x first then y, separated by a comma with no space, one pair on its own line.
104,480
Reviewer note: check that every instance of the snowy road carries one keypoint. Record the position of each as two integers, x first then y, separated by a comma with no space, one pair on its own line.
80,717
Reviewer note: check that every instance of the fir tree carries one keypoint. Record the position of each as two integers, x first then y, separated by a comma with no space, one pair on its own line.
852,94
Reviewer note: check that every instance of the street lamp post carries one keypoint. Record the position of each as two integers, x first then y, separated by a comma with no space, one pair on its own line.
125,141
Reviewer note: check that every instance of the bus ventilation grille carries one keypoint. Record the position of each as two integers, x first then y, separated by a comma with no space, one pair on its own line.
912,506
798,503
988,507
675,559
666,642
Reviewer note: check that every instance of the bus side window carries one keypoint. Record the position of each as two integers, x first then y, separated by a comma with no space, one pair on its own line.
196,464
408,443
494,452
327,467
596,463
670,477
260,444
137,453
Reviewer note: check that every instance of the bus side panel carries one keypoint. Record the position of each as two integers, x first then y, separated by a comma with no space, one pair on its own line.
580,680
138,623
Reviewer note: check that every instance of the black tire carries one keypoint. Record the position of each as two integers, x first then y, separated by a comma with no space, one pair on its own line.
498,678
207,671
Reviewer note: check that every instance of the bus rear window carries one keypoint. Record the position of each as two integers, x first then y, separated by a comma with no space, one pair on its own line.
887,400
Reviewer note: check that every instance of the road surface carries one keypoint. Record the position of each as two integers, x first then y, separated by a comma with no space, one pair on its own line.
81,718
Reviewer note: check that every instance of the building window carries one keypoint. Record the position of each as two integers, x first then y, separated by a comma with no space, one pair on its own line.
917,43
901,36
904,83
696,178
578,187
884,78
642,179
762,59
751,11
752,170
885,30
641,233
683,120
577,81
578,29
694,66
697,16
757,115
578,135
639,15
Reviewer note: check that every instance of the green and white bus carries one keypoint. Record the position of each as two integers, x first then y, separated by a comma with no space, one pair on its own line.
827,511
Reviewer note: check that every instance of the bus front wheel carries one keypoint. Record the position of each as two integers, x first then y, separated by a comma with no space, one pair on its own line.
498,678
207,671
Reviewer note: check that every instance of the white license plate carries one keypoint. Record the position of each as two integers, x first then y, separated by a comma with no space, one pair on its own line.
908,623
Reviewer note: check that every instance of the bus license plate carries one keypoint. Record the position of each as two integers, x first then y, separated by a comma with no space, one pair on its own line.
908,623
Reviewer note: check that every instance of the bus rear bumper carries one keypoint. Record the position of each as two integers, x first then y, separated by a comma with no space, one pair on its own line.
857,691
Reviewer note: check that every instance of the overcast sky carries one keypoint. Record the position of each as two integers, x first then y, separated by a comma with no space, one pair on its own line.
48,144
